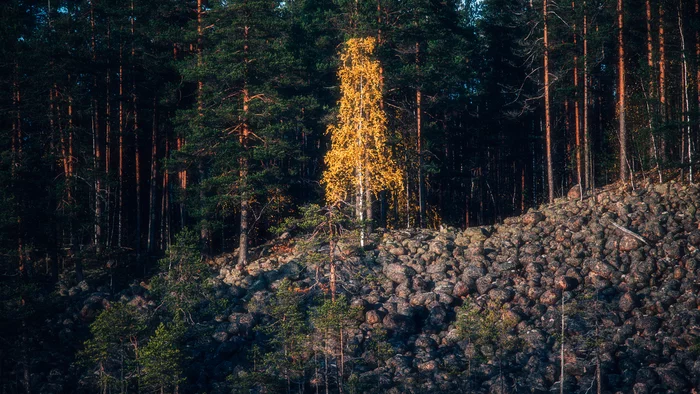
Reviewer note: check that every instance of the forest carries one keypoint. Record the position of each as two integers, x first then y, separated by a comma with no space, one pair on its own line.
139,130
128,121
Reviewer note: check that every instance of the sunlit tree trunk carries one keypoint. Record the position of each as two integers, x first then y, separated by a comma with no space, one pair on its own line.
624,164
662,79
547,109
586,102
697,61
651,108
686,95
577,112
419,110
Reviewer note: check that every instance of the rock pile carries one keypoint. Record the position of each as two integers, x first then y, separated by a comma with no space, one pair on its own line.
623,263
622,266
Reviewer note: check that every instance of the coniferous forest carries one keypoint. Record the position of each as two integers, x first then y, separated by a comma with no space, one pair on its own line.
141,139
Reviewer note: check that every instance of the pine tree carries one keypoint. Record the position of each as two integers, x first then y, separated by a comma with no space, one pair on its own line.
161,358
112,353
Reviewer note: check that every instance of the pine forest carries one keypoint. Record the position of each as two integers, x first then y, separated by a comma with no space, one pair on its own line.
309,196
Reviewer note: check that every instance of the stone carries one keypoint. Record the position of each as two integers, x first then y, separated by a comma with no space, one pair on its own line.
673,378
475,270
566,283
627,302
532,218
398,251
628,243
648,324
460,290
549,297
484,284
501,295
574,193
220,336
428,366
372,317
397,273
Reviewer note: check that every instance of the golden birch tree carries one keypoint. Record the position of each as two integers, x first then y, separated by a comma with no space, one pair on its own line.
360,160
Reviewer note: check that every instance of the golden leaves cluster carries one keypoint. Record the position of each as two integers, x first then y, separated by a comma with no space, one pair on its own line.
360,156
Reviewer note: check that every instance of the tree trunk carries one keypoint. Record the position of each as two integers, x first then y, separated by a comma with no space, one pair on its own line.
697,60
561,353
686,95
137,155
421,183
152,184
652,109
165,203
547,109
577,113
586,84
204,230
108,140
120,208
16,163
182,178
245,204
662,79
97,152
624,164
71,171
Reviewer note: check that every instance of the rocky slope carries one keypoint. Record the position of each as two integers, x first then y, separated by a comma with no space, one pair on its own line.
624,261
624,264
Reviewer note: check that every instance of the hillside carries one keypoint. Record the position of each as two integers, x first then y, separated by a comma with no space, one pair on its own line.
624,264
638,293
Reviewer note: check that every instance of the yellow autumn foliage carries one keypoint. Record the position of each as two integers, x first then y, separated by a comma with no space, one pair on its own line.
360,159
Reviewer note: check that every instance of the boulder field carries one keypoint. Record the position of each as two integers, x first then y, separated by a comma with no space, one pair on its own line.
621,266
623,263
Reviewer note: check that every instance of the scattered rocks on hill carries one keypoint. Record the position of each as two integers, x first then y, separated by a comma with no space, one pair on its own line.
630,306
570,250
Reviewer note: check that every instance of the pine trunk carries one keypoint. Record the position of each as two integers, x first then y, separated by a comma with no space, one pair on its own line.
165,203
108,141
577,112
71,171
153,175
245,204
204,230
547,109
97,153
421,182
686,96
120,208
624,164
662,79
586,84
16,163
137,155
652,108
